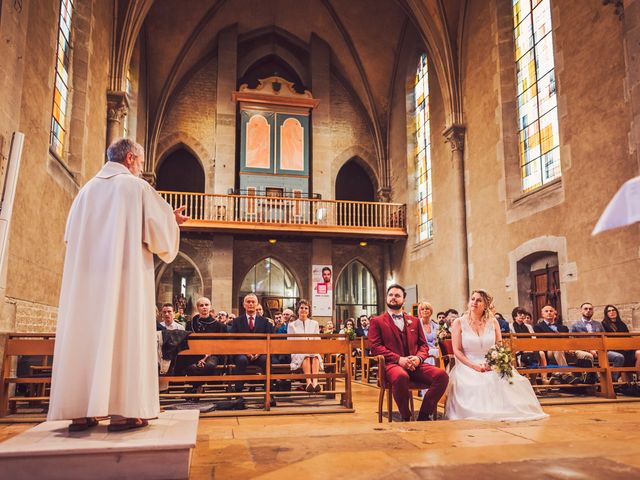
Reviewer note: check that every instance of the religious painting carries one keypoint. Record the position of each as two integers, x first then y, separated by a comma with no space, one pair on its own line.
258,143
292,145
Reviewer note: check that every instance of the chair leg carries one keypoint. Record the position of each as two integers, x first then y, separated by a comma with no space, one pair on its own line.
390,405
380,404
413,415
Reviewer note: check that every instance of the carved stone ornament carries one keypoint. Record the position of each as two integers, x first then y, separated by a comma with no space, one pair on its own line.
275,86
150,177
384,194
117,106
454,135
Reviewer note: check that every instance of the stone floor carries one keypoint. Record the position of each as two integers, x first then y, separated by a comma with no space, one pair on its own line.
591,441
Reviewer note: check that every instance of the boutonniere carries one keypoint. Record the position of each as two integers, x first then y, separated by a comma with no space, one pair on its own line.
409,322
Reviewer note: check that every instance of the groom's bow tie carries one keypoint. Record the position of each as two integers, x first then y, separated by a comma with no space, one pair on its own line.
397,316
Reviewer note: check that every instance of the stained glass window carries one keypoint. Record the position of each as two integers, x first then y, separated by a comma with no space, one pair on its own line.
61,84
536,89
423,152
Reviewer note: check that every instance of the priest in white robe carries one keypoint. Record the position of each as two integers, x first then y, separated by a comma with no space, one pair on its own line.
105,360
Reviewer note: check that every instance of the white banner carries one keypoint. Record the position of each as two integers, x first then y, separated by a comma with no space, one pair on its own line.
322,281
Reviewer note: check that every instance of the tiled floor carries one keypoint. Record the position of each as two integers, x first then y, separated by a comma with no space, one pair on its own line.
576,442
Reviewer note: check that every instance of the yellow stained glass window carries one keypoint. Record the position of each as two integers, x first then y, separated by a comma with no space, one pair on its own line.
424,197
536,90
61,83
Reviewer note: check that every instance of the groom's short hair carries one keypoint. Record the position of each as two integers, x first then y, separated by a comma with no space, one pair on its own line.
399,287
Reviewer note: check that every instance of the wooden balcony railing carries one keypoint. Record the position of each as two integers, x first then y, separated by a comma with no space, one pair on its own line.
276,213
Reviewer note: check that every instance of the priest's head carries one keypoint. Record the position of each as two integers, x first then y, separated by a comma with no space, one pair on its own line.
128,153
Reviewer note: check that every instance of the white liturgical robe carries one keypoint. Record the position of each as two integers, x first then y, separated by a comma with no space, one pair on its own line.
105,358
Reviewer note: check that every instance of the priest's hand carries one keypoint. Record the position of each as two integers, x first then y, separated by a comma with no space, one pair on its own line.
180,218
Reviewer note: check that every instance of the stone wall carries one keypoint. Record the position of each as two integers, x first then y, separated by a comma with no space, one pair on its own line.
47,184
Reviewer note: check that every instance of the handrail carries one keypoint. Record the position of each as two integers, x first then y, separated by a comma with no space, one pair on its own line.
234,208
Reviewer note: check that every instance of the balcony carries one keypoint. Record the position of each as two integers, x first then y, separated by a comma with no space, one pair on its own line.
286,215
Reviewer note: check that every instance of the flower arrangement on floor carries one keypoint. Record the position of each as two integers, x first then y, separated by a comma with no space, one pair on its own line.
499,358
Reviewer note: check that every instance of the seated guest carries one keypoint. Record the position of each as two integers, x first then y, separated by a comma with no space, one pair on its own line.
430,329
547,325
363,329
277,320
287,316
449,318
528,319
612,323
260,313
527,359
349,326
180,317
586,324
311,363
329,328
204,322
222,317
440,318
249,322
168,318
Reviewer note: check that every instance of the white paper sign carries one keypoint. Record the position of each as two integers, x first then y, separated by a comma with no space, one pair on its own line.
322,281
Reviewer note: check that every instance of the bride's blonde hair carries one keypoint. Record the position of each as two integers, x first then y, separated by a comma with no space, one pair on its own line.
488,301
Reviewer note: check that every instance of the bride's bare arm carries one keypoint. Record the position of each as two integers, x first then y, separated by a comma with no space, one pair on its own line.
456,339
496,327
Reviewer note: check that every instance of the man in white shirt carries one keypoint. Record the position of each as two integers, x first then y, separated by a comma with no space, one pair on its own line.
168,318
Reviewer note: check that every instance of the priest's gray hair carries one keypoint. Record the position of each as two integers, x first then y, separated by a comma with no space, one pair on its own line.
118,150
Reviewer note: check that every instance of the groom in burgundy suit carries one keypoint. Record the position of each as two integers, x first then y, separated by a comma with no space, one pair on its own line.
399,338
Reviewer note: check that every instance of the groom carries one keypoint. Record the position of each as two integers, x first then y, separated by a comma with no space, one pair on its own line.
399,338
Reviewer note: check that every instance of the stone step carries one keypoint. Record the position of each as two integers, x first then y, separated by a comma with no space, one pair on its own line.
48,451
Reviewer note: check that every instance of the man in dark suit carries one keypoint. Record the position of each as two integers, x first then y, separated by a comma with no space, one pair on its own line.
249,322
398,337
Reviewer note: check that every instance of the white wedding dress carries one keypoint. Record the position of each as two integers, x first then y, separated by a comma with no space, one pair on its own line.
476,395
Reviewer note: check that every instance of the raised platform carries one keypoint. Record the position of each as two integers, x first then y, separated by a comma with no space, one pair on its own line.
49,451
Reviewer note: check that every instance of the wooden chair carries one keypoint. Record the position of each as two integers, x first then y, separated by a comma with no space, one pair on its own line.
385,388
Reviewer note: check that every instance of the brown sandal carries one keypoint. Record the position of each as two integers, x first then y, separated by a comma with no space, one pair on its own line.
130,424
89,422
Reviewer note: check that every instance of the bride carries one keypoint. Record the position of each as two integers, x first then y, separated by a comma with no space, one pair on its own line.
476,392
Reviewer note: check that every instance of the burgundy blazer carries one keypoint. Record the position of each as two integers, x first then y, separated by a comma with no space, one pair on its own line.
385,338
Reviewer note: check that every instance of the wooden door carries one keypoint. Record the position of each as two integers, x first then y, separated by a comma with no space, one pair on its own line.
545,290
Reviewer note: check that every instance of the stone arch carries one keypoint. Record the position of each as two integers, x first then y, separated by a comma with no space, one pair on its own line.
541,246
162,268
364,159
376,288
172,142
276,42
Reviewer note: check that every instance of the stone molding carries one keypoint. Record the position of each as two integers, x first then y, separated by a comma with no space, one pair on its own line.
117,106
454,135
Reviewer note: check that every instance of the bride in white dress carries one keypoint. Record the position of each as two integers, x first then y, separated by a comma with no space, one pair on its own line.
476,392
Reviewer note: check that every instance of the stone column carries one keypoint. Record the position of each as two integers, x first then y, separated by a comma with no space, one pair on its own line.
321,254
321,154
117,110
631,20
221,268
224,176
454,135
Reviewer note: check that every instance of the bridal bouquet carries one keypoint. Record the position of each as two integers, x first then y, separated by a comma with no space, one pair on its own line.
499,358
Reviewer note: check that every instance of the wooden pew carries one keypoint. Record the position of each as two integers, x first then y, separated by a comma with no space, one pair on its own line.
523,342
199,344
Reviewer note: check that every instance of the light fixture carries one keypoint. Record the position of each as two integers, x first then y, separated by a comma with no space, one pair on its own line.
273,241
363,244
